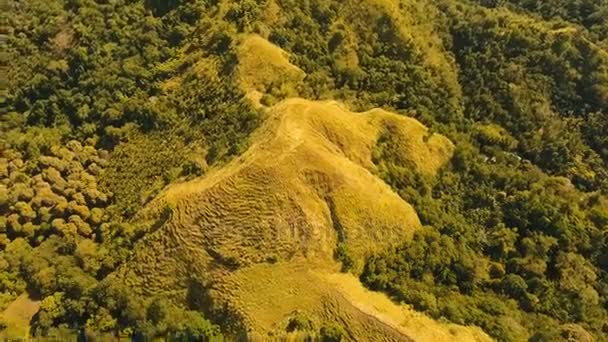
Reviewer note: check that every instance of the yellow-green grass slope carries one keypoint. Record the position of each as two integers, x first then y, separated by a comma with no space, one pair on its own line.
263,65
16,318
263,230
261,233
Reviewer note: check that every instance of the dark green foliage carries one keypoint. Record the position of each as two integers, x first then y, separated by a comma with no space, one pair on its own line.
505,223
388,70
140,168
299,322
537,85
332,333
245,13
591,14
161,7
495,248
96,73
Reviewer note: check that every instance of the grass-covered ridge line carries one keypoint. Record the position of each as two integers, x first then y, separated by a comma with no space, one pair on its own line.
296,198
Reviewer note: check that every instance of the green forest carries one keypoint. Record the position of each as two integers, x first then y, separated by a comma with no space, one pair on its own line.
104,103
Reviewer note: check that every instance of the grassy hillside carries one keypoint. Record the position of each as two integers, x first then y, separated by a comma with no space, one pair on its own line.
298,192
167,166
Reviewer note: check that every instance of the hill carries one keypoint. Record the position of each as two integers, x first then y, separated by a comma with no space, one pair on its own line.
278,215
17,317
386,169
302,193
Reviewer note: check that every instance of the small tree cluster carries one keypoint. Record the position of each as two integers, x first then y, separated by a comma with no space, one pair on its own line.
54,194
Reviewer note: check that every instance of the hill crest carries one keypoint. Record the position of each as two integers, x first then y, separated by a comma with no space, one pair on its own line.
303,194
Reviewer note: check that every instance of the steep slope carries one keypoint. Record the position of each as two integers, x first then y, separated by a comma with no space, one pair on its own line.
110,102
268,225
301,189
17,318
257,239
263,65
